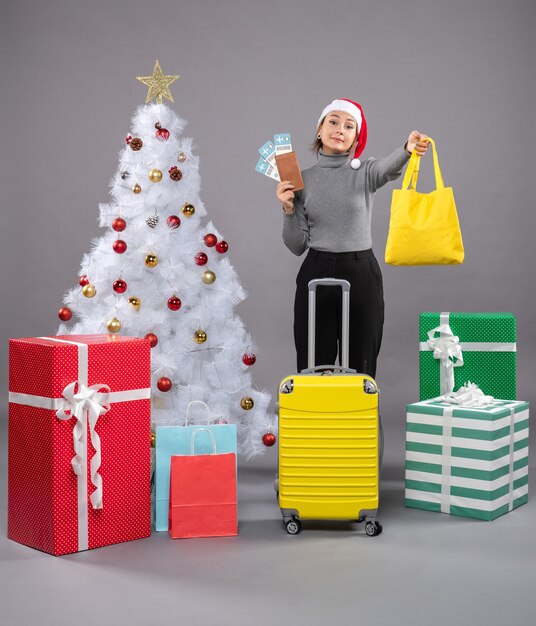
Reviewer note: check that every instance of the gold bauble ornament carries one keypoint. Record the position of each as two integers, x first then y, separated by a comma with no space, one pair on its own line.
208,277
155,175
246,403
135,302
188,209
181,158
153,440
151,260
113,325
200,336
136,188
89,290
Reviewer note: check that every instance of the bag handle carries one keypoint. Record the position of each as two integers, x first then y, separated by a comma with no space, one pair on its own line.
197,402
412,171
415,173
192,441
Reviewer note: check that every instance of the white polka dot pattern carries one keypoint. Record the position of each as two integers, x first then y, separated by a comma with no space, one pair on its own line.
42,486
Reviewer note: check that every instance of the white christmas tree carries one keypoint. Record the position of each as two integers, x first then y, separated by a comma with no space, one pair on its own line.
159,273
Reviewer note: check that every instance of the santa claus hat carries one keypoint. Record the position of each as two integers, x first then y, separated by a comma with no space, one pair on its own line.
354,109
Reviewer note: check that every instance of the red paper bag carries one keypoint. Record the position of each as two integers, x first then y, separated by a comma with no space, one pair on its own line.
202,495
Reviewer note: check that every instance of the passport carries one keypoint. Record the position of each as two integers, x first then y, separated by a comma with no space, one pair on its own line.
288,168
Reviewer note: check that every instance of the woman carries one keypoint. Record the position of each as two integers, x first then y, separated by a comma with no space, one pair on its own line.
331,217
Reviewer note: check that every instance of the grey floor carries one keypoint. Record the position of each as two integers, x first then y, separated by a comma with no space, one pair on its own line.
425,569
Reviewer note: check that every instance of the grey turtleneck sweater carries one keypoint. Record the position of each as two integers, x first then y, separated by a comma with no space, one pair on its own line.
333,212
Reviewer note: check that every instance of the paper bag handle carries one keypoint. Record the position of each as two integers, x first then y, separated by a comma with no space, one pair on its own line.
197,402
412,171
192,441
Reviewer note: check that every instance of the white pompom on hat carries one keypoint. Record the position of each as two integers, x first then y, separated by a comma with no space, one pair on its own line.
354,109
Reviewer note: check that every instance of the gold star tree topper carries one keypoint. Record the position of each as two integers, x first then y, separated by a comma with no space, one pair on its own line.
158,84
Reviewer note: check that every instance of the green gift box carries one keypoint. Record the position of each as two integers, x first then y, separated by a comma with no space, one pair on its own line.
459,347
466,461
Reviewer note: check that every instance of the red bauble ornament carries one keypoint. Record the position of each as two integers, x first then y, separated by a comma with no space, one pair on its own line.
164,384
83,280
210,240
119,286
119,224
173,221
249,359
268,440
201,258
162,134
65,314
222,247
119,246
174,303
153,339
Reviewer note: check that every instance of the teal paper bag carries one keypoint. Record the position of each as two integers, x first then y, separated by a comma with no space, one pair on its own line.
176,440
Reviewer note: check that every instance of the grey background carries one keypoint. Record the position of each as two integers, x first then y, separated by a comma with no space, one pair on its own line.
461,71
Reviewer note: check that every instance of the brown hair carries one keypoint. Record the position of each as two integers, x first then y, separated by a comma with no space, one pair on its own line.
317,143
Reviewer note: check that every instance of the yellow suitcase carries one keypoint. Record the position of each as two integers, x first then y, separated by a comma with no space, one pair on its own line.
329,437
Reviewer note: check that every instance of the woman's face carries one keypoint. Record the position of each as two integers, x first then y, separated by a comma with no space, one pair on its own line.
337,132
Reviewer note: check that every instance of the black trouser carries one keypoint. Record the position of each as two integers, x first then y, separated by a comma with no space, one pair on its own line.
362,271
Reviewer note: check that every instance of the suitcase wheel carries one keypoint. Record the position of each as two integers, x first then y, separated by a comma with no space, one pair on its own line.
293,526
373,529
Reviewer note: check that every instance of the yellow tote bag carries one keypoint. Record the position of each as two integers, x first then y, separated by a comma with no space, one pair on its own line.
424,227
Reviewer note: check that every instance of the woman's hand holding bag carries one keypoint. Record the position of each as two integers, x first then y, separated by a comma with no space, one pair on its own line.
424,227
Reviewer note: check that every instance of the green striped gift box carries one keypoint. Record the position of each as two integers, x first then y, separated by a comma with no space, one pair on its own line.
488,344
467,461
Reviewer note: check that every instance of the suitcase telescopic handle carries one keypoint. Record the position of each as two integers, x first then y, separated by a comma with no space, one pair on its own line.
345,286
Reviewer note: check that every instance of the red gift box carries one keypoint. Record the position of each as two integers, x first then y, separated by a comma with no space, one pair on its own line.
78,444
